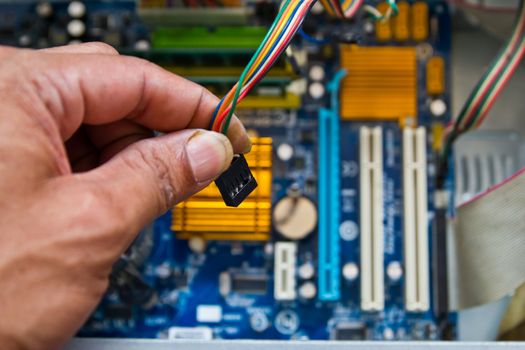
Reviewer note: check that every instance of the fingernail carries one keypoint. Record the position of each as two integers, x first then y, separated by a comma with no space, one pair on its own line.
209,154
247,149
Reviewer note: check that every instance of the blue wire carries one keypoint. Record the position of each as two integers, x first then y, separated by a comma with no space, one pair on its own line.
265,58
214,115
271,51
277,41
313,40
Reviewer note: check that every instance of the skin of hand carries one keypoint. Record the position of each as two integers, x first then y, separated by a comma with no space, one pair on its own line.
80,175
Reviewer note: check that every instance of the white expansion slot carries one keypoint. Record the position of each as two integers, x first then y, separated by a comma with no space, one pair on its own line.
284,270
371,212
415,220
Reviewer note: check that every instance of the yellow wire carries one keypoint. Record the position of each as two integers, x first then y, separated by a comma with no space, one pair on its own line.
258,62
327,7
347,4
273,38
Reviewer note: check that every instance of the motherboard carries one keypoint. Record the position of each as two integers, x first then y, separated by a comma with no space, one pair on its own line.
340,240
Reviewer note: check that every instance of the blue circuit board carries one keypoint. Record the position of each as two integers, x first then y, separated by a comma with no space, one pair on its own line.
325,169
259,315
32,24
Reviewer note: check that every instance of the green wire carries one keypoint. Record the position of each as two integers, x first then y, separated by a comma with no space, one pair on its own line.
455,133
466,106
489,71
243,75
475,92
473,96
485,99
393,6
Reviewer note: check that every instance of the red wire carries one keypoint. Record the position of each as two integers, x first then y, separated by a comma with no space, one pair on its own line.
502,86
495,77
338,8
265,68
218,121
245,90
254,81
357,6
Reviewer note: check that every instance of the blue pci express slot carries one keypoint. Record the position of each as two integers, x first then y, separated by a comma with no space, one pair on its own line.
329,201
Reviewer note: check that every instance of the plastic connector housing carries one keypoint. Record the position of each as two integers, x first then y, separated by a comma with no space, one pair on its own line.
284,271
237,182
371,212
415,219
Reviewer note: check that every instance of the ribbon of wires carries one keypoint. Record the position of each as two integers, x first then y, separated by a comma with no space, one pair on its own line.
348,8
488,88
286,24
281,32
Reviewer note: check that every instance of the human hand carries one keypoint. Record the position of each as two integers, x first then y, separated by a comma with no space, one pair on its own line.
67,211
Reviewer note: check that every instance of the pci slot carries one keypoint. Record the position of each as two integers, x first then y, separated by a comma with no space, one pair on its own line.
371,213
415,220
329,207
284,270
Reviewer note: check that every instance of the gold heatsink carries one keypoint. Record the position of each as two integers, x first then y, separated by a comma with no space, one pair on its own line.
205,215
381,83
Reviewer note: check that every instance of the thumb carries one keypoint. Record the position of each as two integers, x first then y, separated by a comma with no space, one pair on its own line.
150,176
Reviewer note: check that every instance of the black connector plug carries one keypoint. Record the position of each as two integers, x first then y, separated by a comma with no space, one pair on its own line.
237,182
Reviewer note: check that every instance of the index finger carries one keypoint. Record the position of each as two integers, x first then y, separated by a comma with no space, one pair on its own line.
101,89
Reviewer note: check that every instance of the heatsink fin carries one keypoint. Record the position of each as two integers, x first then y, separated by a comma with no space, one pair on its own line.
381,84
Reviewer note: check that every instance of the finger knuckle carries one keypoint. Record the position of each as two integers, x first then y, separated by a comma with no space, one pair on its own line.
141,62
103,48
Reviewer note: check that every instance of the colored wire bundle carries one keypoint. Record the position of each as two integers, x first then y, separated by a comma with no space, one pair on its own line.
377,15
286,24
484,95
488,88
348,8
